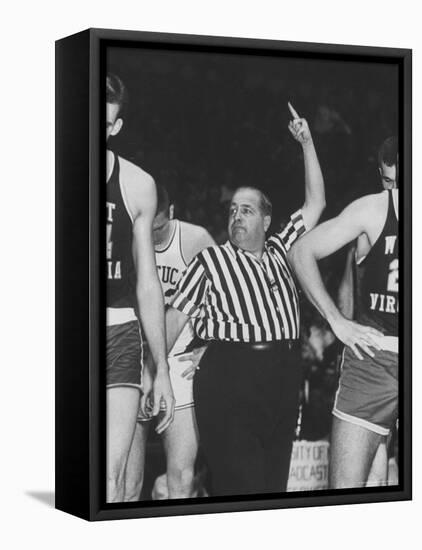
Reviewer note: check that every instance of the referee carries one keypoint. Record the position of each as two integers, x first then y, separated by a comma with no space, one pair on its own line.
243,298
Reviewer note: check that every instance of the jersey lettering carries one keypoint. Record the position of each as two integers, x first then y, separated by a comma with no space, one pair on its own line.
169,275
377,301
374,299
110,207
391,302
384,303
169,292
109,242
390,241
114,270
393,276
120,266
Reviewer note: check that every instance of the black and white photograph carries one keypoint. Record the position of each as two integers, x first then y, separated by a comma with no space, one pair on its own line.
205,340
252,274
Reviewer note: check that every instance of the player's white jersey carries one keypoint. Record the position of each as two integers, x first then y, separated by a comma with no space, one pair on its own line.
170,266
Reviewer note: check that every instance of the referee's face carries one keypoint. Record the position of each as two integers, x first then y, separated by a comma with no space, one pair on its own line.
247,224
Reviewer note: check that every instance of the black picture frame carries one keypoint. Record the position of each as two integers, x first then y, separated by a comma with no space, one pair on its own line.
80,317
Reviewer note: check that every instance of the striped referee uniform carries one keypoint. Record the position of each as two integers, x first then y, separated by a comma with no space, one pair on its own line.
246,391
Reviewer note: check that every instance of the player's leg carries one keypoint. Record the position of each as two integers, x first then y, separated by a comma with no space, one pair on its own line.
378,474
123,375
122,411
134,477
352,451
160,490
180,441
393,463
365,408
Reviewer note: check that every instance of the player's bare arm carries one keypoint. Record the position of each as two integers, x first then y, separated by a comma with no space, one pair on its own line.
358,218
175,322
141,201
148,375
314,182
197,239
345,295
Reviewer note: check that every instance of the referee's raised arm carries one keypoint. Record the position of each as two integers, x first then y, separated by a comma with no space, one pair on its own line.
314,182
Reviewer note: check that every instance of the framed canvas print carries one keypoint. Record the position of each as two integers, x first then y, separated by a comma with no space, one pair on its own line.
230,219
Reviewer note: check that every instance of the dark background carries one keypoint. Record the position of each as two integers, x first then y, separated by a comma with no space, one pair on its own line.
203,124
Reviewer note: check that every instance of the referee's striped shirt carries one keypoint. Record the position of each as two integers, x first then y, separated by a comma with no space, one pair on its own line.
235,297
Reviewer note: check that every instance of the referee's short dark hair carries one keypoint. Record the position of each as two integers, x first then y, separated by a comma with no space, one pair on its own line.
116,92
163,199
264,202
388,151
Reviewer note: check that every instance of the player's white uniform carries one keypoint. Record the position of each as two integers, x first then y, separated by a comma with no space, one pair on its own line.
170,266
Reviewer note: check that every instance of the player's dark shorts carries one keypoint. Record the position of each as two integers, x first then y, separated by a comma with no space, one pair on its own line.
124,355
368,391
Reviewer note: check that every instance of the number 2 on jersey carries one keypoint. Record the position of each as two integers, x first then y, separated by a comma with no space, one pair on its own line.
393,276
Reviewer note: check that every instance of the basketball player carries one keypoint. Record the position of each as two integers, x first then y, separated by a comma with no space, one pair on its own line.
387,157
176,243
366,403
132,287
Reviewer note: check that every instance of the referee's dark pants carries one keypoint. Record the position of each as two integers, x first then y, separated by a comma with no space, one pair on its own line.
246,403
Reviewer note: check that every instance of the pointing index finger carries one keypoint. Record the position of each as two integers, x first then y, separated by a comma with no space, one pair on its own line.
293,112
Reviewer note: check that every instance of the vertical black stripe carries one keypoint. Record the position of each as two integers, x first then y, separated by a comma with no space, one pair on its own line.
220,311
223,283
275,273
235,292
264,300
252,297
198,291
287,283
269,277
240,288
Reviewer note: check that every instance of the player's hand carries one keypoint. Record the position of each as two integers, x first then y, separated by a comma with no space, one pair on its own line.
299,127
146,397
357,336
194,357
163,398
